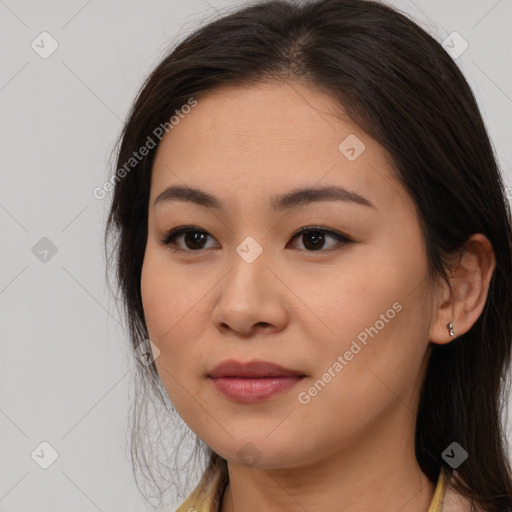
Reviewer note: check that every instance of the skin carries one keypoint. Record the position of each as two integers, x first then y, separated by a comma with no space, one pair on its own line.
352,446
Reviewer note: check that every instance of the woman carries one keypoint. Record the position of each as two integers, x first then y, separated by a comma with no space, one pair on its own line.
313,233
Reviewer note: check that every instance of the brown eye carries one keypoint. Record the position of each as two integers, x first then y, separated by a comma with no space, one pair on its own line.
193,238
314,239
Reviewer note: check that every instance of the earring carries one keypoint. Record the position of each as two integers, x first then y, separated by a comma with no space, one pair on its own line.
450,329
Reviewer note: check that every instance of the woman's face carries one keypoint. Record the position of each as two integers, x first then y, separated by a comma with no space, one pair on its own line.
350,316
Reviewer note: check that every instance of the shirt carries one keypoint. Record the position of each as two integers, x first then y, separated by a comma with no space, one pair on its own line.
445,499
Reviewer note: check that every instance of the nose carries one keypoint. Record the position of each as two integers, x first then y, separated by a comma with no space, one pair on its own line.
251,298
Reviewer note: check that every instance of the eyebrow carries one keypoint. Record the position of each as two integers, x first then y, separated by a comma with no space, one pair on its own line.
295,198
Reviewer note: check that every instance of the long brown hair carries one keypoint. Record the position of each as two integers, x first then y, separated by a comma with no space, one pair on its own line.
400,86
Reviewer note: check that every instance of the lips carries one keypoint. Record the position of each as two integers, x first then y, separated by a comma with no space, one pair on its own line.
254,381
252,369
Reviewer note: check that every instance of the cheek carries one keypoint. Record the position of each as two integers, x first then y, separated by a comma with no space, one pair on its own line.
376,317
163,309
175,318
166,297
351,300
364,376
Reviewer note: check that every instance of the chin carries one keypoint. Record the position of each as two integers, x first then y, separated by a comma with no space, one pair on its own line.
254,452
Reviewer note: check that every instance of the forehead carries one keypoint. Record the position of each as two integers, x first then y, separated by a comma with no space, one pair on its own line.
262,139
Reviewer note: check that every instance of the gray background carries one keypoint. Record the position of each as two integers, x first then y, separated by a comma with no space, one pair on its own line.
65,363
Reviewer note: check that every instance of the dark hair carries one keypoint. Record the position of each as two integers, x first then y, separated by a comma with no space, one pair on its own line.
403,89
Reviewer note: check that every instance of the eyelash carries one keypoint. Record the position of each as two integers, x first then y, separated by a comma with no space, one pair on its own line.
168,239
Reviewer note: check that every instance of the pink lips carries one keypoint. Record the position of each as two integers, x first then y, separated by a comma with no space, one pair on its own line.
254,381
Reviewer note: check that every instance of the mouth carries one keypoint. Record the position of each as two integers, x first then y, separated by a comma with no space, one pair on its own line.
254,381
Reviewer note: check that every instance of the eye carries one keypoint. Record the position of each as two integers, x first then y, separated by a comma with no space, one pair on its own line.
194,238
314,237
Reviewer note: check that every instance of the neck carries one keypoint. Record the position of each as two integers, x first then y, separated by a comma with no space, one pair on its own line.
378,473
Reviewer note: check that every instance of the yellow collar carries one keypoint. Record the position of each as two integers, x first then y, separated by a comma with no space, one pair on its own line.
436,505
210,501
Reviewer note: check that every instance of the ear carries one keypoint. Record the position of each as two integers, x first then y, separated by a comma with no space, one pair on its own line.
465,301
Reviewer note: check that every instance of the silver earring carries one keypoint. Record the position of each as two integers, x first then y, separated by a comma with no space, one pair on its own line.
450,329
